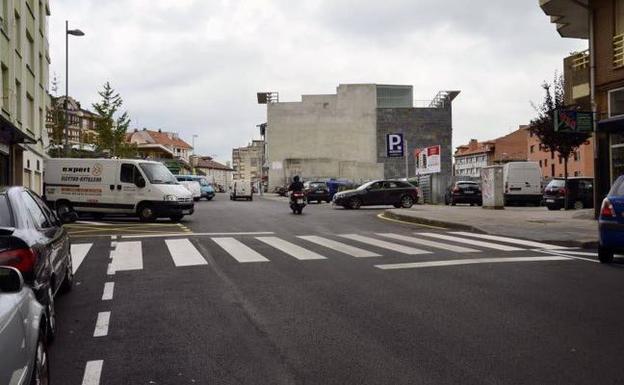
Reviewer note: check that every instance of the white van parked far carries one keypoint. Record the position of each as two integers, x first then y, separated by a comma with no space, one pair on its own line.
522,181
241,189
143,188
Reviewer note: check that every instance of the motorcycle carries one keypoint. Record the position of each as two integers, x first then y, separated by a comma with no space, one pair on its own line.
281,191
297,202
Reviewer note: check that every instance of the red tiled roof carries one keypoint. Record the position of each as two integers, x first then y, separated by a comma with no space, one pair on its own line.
474,147
167,139
209,163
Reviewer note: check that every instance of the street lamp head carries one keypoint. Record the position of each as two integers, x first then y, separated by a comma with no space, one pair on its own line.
75,32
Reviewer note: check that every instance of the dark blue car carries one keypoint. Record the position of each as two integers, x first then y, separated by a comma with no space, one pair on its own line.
611,222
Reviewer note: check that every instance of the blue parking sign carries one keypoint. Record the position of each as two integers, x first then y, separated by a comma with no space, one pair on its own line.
394,145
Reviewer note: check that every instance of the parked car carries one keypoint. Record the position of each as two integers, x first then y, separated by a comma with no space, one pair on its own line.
23,344
580,192
206,189
34,241
611,222
241,189
191,184
316,191
464,192
522,182
378,192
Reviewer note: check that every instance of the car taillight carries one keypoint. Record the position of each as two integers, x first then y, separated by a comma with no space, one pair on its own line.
456,190
21,259
562,191
606,211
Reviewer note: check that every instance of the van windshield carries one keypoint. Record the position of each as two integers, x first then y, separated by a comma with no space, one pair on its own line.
158,173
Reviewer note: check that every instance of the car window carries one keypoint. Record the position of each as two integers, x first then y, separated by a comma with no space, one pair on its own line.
555,183
38,216
46,210
128,173
376,186
401,184
391,185
5,213
618,187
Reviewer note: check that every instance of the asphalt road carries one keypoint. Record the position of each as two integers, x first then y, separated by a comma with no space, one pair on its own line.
244,299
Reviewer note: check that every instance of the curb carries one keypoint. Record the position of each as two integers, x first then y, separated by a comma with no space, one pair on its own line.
460,226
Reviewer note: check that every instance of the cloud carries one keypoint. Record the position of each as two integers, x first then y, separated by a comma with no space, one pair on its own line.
195,66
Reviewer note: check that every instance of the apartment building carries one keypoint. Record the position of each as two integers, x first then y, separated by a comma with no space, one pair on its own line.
81,133
163,146
601,23
24,98
220,175
581,163
247,161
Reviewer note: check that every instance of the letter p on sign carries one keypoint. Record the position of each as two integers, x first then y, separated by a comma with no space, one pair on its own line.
394,145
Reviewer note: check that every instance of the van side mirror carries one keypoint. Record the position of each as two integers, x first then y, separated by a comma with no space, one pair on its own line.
11,280
140,182
68,217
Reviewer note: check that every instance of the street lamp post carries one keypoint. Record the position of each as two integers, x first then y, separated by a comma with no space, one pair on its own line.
73,32
193,167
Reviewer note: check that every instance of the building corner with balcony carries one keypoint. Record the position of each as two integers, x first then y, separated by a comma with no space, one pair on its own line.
24,98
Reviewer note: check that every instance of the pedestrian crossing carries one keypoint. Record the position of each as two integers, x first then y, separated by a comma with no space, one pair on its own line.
420,247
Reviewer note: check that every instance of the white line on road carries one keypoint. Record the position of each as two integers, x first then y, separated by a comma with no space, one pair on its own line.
434,244
514,241
239,251
567,254
92,373
101,325
94,223
290,248
385,245
184,253
127,256
79,252
109,288
196,234
456,262
339,246
473,242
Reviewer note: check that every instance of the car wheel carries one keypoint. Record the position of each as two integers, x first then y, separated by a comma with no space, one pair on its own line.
50,315
176,218
452,202
146,213
407,201
328,200
68,282
318,202
552,207
208,198
355,203
41,370
578,205
605,255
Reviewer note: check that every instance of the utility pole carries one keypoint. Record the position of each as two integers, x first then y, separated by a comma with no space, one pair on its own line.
406,153
73,32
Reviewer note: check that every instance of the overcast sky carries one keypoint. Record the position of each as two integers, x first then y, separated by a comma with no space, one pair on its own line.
195,66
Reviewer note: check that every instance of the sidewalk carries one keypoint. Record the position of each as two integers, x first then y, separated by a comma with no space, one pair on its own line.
575,228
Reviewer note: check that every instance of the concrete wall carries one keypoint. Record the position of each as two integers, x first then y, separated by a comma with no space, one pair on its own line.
324,136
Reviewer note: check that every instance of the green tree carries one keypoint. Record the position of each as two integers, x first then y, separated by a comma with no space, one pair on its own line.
56,122
543,126
111,124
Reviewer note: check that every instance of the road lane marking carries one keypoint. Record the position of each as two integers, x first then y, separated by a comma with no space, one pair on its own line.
184,253
127,256
425,242
101,325
385,245
290,248
79,252
522,242
473,242
184,234
472,261
109,288
339,246
567,254
239,251
92,373
583,253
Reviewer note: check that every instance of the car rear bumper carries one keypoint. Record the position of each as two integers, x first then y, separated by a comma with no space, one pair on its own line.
611,235
476,198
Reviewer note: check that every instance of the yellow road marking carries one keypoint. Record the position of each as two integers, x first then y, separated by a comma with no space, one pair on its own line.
381,216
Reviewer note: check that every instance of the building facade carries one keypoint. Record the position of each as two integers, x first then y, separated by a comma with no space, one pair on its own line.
581,163
24,98
248,161
220,175
81,133
343,135
163,146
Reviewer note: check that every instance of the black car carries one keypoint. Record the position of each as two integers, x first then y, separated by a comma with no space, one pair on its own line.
34,241
316,191
464,192
580,193
378,192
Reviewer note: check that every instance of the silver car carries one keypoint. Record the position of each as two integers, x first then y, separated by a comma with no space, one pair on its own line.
22,333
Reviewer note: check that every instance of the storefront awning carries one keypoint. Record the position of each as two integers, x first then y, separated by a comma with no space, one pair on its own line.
9,134
614,124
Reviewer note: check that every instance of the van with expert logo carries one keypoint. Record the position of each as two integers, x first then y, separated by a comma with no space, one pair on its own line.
143,188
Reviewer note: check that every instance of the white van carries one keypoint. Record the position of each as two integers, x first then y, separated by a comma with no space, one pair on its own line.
241,189
522,181
115,186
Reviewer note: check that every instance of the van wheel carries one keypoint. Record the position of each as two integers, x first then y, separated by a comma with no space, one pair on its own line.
145,213
605,255
176,218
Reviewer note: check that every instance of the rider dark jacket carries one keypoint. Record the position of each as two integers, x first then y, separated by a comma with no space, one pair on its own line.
296,186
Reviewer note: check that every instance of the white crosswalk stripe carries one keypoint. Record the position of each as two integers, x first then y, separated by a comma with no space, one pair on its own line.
78,253
385,245
339,246
184,252
472,261
515,241
428,243
239,251
290,248
473,242
127,256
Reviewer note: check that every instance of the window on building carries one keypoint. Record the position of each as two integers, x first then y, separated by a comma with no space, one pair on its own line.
18,101
30,52
42,19
552,170
17,33
540,163
560,159
41,67
30,113
5,86
577,156
577,173
616,102
4,18
552,155
532,149
619,17
545,162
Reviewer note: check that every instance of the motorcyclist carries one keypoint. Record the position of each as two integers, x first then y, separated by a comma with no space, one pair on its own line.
296,185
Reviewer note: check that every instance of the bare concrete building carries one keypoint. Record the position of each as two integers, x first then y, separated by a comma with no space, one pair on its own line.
343,135
247,161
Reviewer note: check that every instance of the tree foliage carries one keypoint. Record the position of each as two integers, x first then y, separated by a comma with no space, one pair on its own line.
112,124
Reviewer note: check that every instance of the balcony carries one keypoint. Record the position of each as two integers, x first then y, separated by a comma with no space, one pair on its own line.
576,79
570,16
618,51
